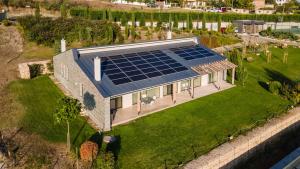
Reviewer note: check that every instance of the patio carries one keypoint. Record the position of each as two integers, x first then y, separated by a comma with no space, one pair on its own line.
125,115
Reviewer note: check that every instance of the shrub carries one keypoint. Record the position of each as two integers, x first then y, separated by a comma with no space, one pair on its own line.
35,70
88,151
6,22
275,87
50,66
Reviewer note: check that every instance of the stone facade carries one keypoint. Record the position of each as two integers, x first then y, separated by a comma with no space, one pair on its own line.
67,72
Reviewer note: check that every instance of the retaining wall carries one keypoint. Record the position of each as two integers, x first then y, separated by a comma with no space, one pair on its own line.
24,68
229,154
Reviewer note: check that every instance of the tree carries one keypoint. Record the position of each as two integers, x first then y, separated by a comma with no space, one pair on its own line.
142,20
203,21
67,109
104,17
126,32
219,22
151,18
37,12
189,23
170,21
110,16
175,24
63,11
159,22
133,19
5,2
124,20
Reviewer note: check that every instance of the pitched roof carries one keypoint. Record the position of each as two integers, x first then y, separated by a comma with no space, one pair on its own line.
174,51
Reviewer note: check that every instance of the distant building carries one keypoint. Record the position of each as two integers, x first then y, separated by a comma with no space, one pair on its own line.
259,4
194,3
249,26
281,2
2,14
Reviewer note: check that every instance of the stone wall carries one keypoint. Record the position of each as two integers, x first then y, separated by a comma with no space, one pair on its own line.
229,154
25,72
97,108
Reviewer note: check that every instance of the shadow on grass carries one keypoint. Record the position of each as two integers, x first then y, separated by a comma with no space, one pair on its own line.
78,133
263,85
277,76
97,138
114,147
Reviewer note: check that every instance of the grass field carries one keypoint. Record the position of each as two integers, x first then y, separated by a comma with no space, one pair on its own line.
39,98
178,135
34,51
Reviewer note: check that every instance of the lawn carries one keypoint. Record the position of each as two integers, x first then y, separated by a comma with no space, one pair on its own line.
39,98
33,51
179,134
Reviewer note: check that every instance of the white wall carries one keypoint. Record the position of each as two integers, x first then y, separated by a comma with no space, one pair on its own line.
204,80
178,87
161,91
126,100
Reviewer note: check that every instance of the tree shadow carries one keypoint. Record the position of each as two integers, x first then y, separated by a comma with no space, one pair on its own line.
89,101
97,138
114,147
78,133
277,76
263,85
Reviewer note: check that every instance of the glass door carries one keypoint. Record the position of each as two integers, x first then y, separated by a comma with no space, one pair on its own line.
116,103
168,90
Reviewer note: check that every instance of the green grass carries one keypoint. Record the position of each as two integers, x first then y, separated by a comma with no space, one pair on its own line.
180,133
39,98
33,51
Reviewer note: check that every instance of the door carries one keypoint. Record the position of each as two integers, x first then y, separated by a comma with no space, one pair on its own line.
168,90
116,103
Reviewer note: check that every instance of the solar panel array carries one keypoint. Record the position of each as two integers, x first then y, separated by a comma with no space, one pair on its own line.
138,66
192,52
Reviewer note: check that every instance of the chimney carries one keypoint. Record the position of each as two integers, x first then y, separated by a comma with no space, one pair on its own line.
63,45
97,68
169,35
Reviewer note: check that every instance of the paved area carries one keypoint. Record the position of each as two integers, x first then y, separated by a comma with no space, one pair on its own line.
127,114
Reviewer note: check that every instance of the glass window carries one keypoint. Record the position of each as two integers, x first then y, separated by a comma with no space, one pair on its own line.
185,85
134,98
150,93
167,90
197,82
212,77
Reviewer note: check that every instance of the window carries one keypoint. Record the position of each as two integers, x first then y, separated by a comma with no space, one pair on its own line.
134,98
167,90
185,85
212,77
116,103
150,93
197,82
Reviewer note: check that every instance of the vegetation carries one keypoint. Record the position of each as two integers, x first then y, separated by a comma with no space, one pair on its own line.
96,14
67,110
275,87
39,98
35,70
278,34
47,30
177,135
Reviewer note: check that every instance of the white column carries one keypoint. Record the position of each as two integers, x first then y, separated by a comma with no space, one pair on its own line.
161,91
179,87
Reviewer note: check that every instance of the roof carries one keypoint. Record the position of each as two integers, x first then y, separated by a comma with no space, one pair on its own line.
172,50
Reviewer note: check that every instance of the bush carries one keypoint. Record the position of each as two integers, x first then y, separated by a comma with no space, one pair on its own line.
275,87
279,34
50,66
88,151
35,70
47,30
6,22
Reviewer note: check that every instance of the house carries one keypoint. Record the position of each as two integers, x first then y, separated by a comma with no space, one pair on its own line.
281,2
2,15
119,83
259,4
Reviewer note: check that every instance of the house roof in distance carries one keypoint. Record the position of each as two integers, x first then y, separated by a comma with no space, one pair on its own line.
132,67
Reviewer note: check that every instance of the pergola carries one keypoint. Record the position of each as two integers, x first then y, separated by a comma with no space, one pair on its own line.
215,67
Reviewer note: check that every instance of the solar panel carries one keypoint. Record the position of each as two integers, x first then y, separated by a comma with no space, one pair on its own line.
138,66
192,52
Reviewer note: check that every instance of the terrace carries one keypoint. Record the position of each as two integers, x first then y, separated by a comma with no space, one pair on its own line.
125,115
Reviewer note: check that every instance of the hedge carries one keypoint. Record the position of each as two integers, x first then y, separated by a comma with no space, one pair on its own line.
97,14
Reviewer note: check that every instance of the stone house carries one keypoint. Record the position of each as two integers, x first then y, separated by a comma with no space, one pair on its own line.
119,83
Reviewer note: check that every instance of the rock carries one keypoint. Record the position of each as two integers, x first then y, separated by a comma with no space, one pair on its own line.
109,139
88,151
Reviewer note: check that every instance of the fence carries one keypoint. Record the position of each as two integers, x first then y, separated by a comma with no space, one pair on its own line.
232,153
